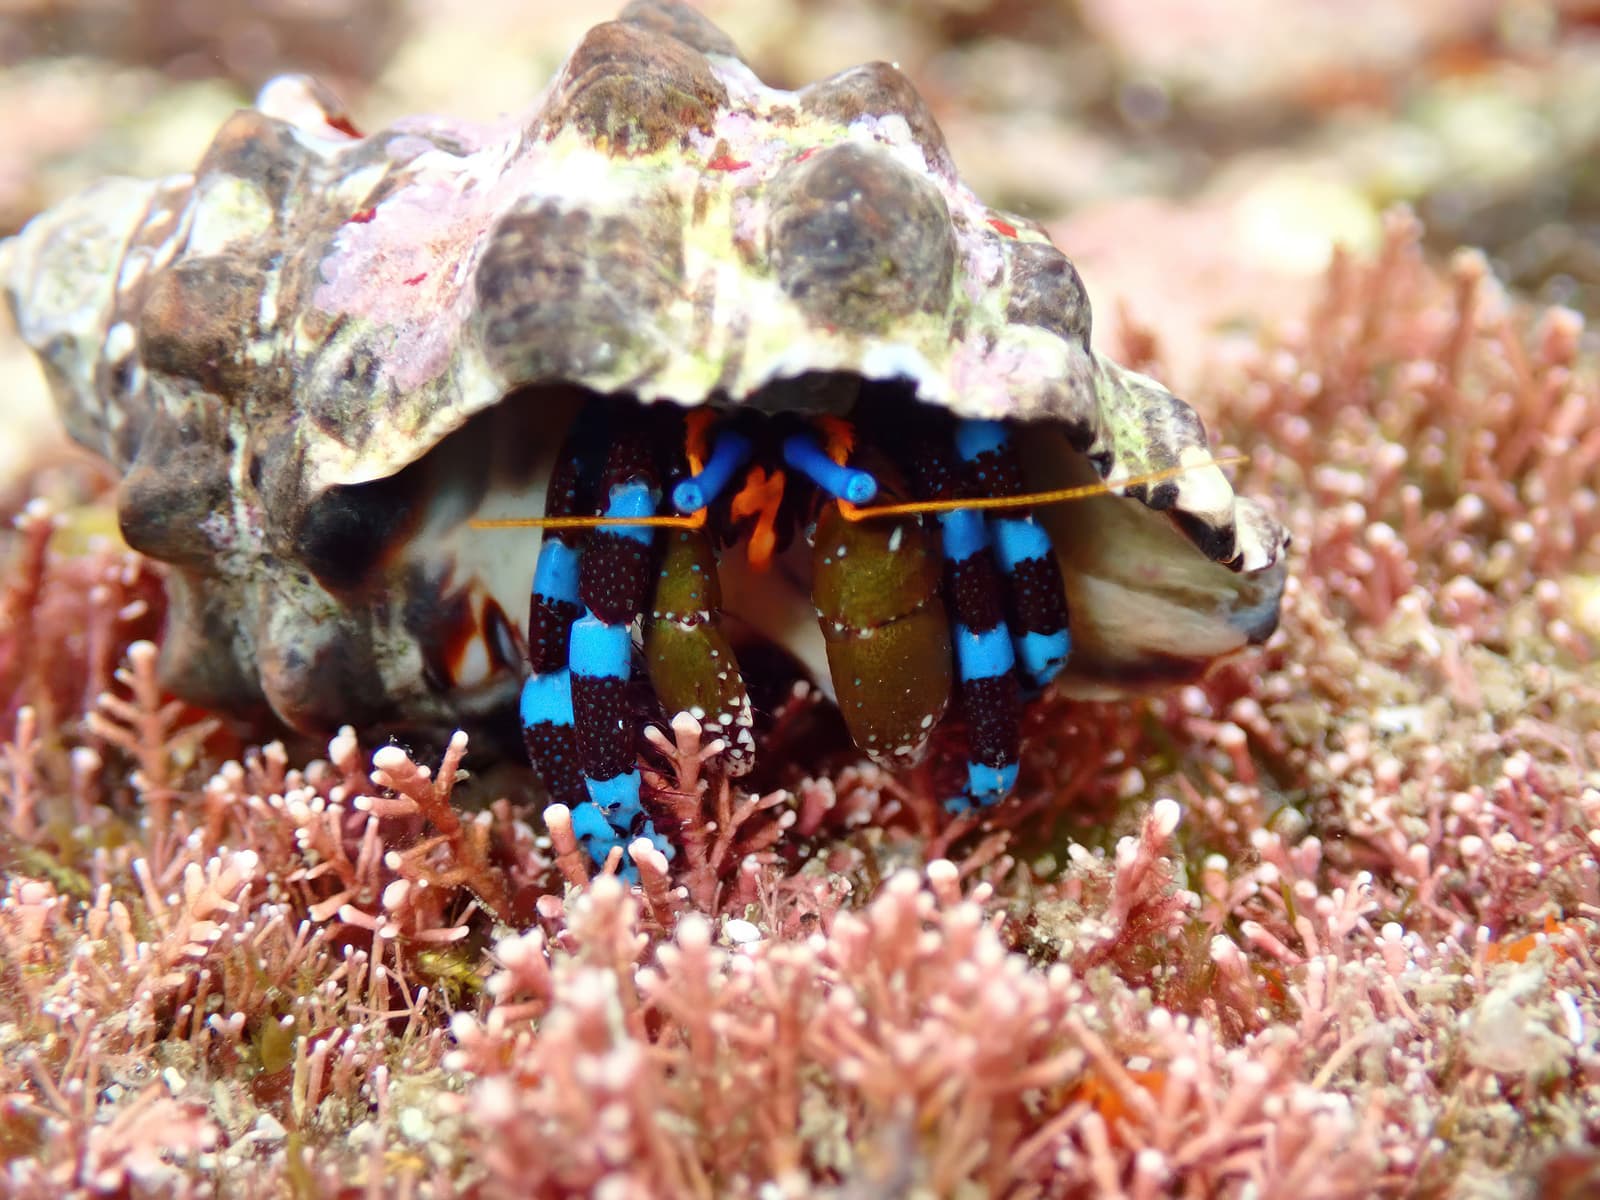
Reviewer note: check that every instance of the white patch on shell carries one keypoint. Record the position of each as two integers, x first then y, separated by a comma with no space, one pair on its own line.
121,341
267,310
1203,489
1156,623
227,211
894,360
133,269
301,102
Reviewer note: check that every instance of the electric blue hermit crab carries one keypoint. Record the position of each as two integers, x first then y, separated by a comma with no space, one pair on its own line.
768,373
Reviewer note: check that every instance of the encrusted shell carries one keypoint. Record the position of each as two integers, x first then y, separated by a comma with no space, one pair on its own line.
312,312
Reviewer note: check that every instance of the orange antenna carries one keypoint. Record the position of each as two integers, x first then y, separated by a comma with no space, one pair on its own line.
1031,499
697,519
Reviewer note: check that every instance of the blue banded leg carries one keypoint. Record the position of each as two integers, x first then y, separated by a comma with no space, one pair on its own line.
615,576
601,656
547,727
985,662
1035,601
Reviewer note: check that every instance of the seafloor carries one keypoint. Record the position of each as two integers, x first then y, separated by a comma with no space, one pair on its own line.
1323,926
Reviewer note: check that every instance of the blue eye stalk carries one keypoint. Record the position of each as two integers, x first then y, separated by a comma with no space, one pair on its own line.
729,455
802,453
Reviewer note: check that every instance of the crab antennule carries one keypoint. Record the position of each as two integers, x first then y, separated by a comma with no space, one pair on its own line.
852,512
841,482
1036,599
731,452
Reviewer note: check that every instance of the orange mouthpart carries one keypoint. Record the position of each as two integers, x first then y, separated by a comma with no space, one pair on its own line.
759,498
838,436
697,425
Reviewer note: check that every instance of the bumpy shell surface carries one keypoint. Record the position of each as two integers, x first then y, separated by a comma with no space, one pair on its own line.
314,313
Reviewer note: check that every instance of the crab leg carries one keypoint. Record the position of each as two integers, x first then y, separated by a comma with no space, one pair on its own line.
587,590
691,662
546,706
1036,602
876,589
991,695
615,574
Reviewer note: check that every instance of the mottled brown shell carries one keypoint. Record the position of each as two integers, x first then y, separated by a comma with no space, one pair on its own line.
310,358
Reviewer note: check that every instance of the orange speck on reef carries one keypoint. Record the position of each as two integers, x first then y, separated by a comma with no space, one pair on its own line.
726,162
1518,949
1277,987
415,279
1103,1097
1005,227
365,215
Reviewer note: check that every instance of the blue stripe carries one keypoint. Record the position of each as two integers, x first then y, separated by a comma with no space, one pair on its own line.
987,784
1043,655
976,438
1018,539
592,829
556,575
732,451
547,699
601,651
617,797
631,499
842,483
965,534
984,655
599,837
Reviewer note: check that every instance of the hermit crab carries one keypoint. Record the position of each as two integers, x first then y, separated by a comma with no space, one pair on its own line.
766,373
